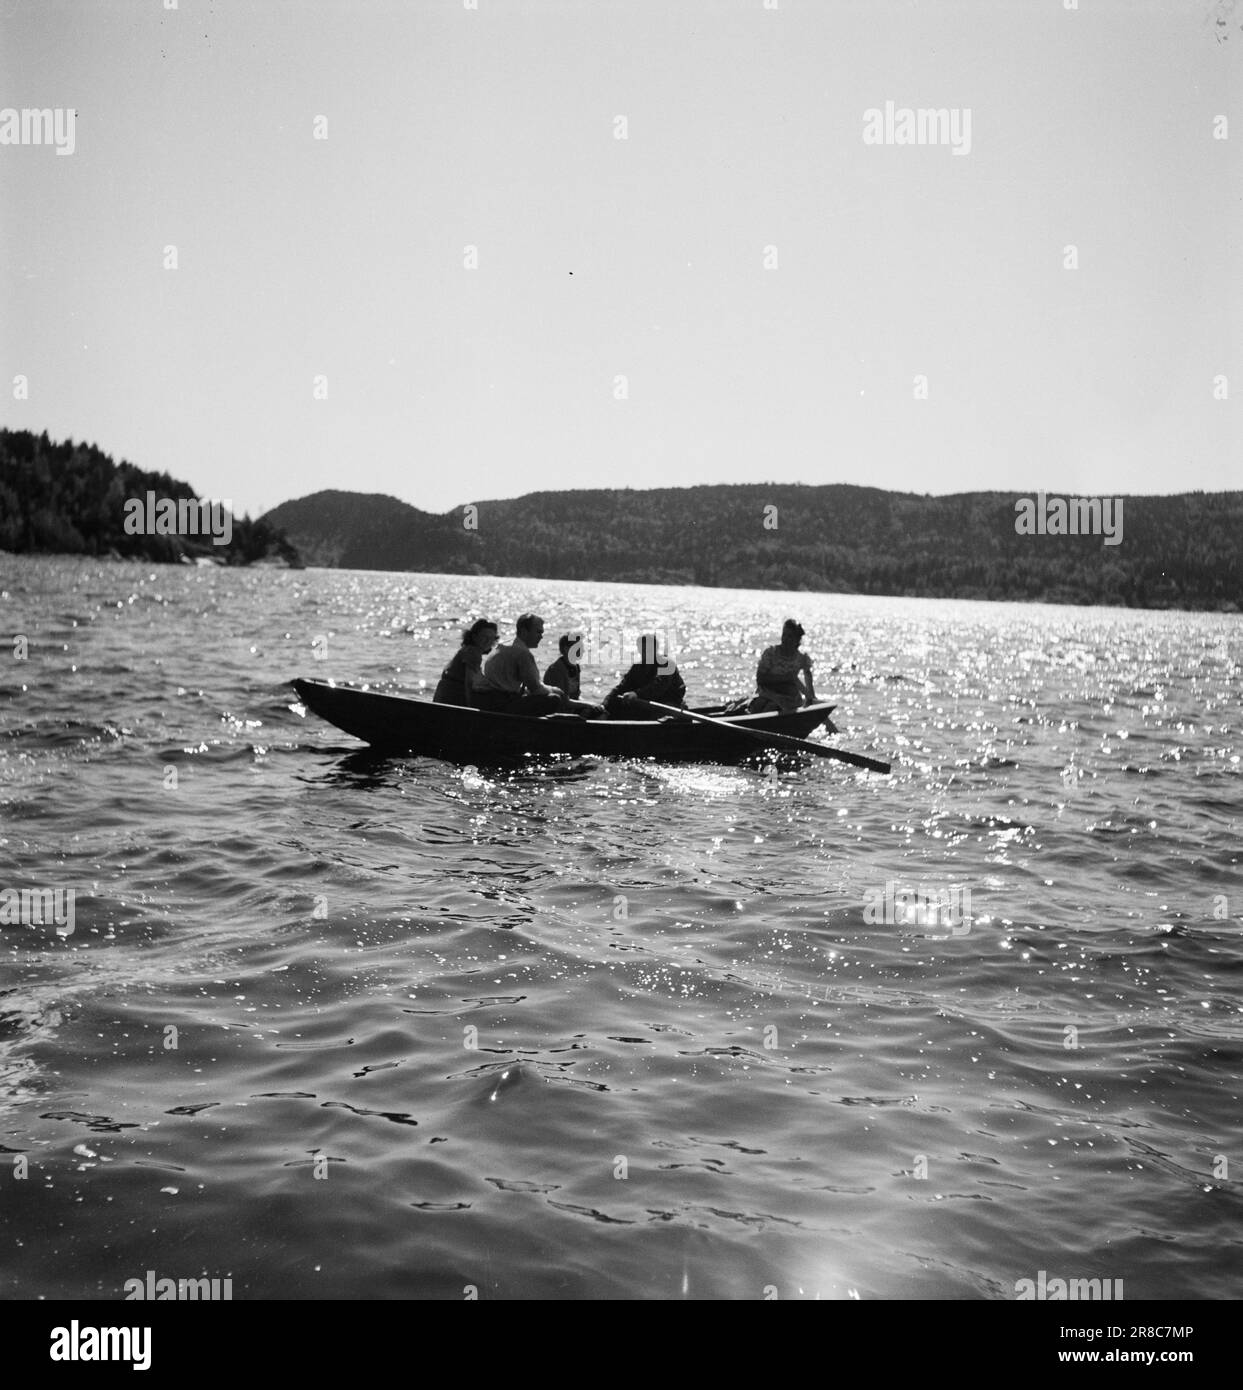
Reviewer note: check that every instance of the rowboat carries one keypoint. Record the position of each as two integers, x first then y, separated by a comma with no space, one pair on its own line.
399,724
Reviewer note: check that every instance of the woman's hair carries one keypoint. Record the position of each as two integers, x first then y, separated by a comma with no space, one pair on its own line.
569,640
790,625
470,633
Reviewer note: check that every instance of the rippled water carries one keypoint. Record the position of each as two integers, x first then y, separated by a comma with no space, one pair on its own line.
339,1028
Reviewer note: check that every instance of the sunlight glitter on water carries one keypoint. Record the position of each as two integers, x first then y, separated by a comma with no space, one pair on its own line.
671,965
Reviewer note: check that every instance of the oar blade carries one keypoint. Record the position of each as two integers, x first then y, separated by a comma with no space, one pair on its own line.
776,740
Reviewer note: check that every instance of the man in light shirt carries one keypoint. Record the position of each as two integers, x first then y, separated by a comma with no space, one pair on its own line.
511,683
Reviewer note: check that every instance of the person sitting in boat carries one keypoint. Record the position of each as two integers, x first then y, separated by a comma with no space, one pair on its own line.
783,676
652,677
459,678
565,672
510,683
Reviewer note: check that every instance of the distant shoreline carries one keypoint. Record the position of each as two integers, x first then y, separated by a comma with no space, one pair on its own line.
544,579
1177,553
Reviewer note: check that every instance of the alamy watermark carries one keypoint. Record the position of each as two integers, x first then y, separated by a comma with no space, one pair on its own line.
604,642
1070,516
38,907
918,907
925,125
1042,1287
181,516
155,1289
44,125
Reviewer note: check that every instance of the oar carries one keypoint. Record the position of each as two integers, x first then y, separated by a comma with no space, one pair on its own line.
821,750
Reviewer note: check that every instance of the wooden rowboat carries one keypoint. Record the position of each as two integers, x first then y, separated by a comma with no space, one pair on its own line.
397,724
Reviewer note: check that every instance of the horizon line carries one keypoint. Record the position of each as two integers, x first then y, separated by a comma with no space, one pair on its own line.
659,487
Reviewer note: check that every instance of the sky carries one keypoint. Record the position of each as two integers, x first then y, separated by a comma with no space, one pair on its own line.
689,265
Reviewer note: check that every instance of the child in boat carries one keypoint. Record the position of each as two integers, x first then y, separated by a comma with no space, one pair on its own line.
565,673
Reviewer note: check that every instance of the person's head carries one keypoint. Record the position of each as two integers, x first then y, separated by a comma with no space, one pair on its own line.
481,633
571,645
791,633
530,629
648,648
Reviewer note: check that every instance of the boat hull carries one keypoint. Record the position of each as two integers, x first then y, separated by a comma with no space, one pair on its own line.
398,724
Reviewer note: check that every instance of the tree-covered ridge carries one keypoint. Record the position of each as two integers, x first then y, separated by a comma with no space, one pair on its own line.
71,498
1175,552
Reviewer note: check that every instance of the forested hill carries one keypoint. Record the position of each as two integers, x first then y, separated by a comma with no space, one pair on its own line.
72,499
1175,552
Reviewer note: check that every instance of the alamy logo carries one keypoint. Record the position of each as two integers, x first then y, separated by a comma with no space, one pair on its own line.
77,1343
182,516
1042,1287
1073,516
927,125
38,907
39,126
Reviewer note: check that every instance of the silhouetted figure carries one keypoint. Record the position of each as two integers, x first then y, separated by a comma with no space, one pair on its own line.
564,673
652,677
783,676
459,678
510,683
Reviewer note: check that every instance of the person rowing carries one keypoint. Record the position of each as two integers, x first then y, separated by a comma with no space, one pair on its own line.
783,676
459,678
652,678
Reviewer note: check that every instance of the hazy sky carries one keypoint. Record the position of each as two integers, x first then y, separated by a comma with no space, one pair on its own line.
641,258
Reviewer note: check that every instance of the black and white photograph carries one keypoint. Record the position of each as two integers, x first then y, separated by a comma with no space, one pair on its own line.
620,661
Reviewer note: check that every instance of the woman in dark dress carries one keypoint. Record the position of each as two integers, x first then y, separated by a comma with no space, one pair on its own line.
458,678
